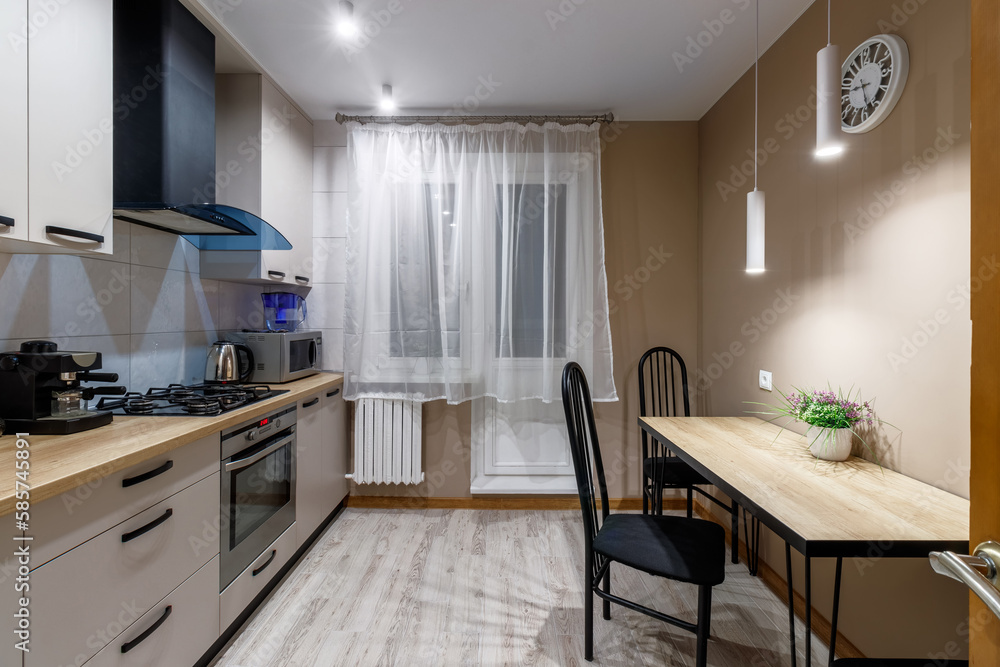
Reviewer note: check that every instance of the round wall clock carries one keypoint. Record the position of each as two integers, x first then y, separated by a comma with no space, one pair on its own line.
873,79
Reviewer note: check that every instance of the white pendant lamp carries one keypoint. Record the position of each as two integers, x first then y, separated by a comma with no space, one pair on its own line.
829,139
755,199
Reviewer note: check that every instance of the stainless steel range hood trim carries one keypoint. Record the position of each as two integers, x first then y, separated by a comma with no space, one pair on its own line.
206,226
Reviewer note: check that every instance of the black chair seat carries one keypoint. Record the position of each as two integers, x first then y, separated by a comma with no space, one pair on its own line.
897,662
675,472
678,548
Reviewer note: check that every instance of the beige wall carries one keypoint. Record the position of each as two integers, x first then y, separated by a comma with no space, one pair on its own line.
855,287
649,178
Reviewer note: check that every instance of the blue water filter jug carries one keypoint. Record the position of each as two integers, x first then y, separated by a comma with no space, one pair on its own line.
283,311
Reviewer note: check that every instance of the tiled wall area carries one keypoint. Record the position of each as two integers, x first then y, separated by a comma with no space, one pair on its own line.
326,298
145,308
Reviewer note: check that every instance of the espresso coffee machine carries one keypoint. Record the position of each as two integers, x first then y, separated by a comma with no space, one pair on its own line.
41,392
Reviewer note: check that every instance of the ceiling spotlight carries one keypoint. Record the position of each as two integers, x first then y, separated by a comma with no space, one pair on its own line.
346,27
387,103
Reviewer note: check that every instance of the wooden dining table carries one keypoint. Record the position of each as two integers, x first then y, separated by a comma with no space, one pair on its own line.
822,509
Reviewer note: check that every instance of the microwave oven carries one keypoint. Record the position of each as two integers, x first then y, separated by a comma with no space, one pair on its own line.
281,356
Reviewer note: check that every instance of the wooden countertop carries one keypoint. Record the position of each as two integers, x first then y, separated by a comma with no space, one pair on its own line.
60,463
820,505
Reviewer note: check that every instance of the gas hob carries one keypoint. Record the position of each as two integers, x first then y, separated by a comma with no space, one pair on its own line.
205,400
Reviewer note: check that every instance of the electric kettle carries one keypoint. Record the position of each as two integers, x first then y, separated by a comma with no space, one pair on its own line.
224,363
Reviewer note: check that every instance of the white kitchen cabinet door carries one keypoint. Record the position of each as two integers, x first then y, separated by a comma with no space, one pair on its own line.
179,636
335,455
70,156
14,121
309,502
88,596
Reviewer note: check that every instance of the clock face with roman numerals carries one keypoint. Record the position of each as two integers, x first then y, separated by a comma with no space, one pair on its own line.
873,77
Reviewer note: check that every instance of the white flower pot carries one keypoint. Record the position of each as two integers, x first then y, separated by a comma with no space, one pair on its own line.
830,444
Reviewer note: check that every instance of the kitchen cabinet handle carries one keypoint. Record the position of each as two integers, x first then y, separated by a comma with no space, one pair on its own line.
239,464
311,403
333,393
73,233
6,222
128,646
274,552
276,274
302,279
139,479
128,537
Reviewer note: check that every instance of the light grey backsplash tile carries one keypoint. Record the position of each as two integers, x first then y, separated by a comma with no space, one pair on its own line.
46,296
329,133
159,359
123,241
240,306
168,301
329,214
151,247
330,261
333,350
326,307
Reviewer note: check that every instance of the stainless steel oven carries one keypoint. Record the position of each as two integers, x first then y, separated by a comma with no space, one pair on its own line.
258,489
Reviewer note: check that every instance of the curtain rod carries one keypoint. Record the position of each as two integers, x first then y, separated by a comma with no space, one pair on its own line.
604,118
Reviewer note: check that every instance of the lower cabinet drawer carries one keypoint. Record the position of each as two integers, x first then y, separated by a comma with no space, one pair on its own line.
175,632
89,595
247,585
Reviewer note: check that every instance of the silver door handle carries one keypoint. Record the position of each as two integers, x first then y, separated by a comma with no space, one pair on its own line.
239,464
978,572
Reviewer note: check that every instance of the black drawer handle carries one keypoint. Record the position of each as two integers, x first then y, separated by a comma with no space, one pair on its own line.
139,479
311,403
302,279
6,222
333,393
274,552
73,233
128,537
276,274
128,646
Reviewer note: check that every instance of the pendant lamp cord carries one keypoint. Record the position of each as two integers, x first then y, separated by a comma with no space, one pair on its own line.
756,81
828,15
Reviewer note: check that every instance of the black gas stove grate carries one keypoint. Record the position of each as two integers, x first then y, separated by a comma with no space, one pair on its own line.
177,399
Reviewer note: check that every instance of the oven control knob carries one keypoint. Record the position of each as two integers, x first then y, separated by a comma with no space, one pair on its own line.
277,423
252,435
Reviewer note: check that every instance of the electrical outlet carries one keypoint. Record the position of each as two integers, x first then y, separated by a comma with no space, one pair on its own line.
765,380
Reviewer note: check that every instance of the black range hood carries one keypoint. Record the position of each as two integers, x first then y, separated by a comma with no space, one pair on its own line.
164,130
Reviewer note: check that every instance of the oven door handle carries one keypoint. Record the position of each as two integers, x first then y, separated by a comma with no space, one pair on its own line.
250,460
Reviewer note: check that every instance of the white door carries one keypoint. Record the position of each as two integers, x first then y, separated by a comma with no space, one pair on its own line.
14,121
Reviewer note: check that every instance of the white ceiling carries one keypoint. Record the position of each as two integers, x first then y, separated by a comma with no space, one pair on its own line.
541,56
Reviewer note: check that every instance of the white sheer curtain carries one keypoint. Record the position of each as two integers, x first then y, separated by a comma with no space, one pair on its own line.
475,262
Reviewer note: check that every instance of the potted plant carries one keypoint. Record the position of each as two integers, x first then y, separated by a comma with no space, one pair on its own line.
832,417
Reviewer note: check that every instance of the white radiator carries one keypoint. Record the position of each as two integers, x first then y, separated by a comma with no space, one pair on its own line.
387,442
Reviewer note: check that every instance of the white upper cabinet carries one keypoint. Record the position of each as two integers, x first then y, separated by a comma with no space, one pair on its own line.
264,158
14,121
58,178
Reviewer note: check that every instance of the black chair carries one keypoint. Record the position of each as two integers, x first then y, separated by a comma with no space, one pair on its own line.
674,547
662,376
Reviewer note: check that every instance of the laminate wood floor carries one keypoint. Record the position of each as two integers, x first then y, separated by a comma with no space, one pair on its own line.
469,587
